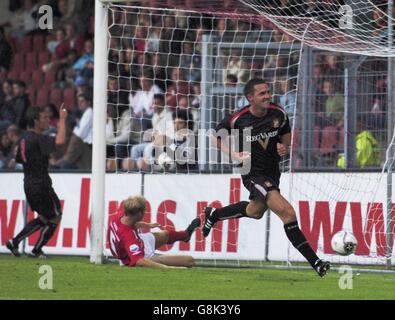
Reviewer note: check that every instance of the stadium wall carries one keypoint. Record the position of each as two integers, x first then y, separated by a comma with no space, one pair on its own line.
175,200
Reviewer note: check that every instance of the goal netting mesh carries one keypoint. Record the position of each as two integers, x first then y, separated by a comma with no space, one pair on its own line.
176,68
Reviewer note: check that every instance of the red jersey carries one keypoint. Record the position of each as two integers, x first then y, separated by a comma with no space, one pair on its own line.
125,242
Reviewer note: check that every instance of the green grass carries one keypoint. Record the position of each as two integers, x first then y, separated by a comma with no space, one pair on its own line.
76,278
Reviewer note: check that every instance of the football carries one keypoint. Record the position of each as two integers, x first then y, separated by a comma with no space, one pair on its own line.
165,162
344,243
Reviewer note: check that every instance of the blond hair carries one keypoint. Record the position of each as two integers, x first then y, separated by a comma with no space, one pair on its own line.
134,205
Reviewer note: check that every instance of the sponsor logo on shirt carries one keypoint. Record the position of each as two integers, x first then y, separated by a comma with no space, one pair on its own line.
134,249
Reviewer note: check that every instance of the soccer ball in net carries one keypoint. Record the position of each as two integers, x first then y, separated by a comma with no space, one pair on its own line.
165,161
344,243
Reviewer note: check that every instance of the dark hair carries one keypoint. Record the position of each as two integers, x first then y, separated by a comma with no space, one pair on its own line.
85,96
184,115
250,86
33,113
20,83
160,97
231,78
54,110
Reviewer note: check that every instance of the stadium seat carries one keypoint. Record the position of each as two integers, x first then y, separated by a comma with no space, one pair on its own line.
43,58
25,76
31,62
329,142
25,46
49,77
69,98
37,79
12,75
56,97
39,42
42,97
18,63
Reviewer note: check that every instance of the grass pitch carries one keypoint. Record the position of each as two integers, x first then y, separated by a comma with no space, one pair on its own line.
76,278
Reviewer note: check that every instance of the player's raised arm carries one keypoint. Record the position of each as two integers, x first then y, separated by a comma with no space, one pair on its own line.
61,135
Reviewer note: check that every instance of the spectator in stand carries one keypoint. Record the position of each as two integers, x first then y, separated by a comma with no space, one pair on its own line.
287,98
129,69
334,105
69,11
60,46
75,41
162,130
183,147
63,78
178,88
197,95
53,114
26,21
184,103
13,134
6,110
5,150
79,150
142,101
159,70
84,65
153,41
116,96
190,60
20,103
118,133
368,149
333,71
5,52
140,39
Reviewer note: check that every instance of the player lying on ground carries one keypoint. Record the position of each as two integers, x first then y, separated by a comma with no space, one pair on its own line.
268,141
33,152
138,249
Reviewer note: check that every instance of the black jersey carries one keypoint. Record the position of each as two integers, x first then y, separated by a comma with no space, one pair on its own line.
33,152
265,134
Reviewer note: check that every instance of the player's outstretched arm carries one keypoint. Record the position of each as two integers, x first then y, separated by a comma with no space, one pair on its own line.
61,135
152,264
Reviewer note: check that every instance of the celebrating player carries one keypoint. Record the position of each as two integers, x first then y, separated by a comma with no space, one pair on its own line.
33,152
138,249
270,137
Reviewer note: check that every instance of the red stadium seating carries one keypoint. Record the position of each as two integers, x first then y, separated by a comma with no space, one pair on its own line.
12,75
18,63
69,98
39,42
42,97
49,77
37,79
43,58
31,62
26,45
329,143
56,97
25,76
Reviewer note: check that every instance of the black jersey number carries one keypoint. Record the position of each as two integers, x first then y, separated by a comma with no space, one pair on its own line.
264,143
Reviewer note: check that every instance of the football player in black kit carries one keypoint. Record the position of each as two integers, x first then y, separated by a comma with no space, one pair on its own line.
33,152
269,139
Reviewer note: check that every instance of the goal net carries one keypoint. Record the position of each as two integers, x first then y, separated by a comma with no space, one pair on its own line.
177,68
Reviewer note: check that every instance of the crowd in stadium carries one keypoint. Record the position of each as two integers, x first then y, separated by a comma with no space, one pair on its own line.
153,71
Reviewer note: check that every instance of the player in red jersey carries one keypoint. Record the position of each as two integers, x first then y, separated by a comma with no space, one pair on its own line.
138,249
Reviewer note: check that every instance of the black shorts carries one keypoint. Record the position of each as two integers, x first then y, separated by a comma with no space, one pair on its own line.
259,186
44,201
